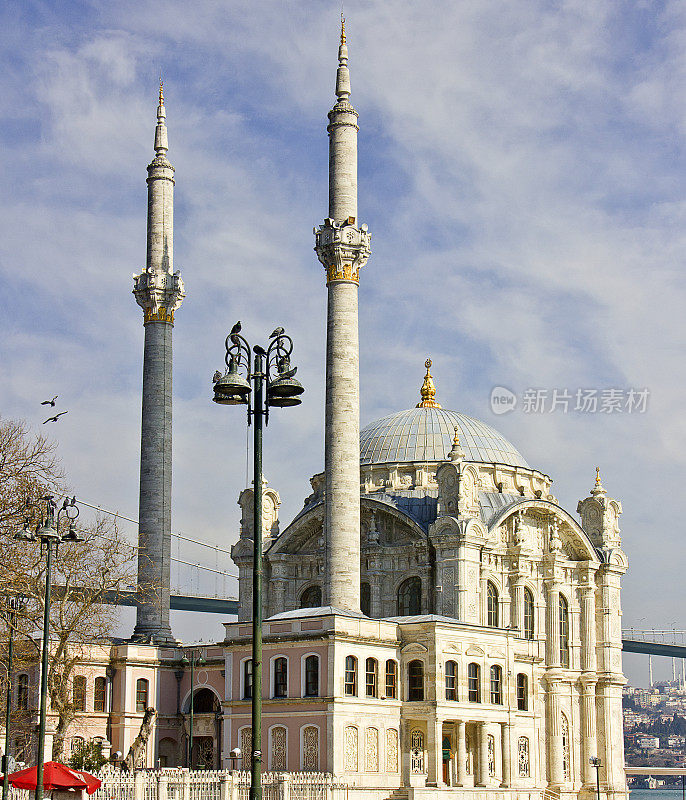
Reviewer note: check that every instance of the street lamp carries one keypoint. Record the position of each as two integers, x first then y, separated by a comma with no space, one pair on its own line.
199,660
15,602
48,534
273,366
594,761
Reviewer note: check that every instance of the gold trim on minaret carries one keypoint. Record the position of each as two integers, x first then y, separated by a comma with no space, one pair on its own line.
428,390
342,28
161,91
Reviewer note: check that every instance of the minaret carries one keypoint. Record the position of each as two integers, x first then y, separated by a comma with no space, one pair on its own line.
159,291
343,247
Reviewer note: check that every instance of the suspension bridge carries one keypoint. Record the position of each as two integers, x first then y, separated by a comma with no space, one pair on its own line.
670,643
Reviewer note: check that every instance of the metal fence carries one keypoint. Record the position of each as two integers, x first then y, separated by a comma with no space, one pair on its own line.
181,784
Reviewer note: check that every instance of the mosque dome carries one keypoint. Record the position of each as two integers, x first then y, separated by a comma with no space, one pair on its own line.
426,433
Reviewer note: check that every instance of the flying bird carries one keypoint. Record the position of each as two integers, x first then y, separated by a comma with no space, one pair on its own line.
56,417
50,402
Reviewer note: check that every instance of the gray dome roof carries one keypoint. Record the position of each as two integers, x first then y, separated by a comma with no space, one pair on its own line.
426,434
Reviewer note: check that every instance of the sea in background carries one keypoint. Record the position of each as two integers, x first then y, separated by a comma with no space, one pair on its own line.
656,794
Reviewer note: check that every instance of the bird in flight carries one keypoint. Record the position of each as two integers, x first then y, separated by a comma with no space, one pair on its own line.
50,402
56,417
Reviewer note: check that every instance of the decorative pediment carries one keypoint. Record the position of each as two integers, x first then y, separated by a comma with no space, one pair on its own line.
474,650
414,647
496,654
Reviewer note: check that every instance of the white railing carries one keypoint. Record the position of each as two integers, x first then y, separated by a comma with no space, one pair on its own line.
181,784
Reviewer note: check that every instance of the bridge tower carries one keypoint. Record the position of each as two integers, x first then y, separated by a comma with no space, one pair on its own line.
159,291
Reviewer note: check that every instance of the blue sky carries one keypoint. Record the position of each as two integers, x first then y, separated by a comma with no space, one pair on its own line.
521,172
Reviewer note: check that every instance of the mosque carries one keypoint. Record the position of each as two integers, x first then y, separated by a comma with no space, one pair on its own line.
435,622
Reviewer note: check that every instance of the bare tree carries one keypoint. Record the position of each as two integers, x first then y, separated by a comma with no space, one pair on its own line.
85,574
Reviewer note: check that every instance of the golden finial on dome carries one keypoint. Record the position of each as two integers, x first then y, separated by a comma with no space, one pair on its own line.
161,90
457,453
342,28
428,390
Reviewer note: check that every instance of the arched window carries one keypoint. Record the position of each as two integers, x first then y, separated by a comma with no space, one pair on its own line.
415,676
79,693
497,685
392,679
564,632
371,679
23,692
280,677
522,692
76,744
278,737
247,679
528,614
351,676
451,680
474,683
141,694
311,597
205,701
100,694
491,605
312,676
410,597
365,599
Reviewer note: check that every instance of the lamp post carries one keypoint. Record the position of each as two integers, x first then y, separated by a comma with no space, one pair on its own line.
596,762
199,660
273,366
48,534
15,602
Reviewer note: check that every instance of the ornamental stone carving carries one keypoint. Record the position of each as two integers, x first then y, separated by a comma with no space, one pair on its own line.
310,749
491,754
351,749
343,249
159,294
523,756
371,750
417,752
246,748
392,750
278,748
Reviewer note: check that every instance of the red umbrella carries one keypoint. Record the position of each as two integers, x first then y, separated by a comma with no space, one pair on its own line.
55,776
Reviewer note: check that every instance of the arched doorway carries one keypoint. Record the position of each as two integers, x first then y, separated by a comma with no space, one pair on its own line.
206,729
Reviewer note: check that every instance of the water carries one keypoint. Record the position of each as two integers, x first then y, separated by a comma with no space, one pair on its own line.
656,794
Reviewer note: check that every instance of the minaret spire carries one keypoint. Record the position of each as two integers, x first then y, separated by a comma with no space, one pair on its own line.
342,246
159,291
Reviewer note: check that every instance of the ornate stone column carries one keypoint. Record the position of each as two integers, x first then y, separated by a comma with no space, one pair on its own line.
518,603
482,767
506,749
588,634
461,752
553,624
589,736
434,749
554,738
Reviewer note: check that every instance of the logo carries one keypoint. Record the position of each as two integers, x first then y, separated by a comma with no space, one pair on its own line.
502,400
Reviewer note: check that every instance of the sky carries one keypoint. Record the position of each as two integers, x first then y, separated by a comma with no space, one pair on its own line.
521,170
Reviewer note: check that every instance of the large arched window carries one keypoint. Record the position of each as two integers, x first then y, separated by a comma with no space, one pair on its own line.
79,693
281,677
392,679
451,680
497,685
141,694
415,677
312,676
564,632
205,701
474,683
311,597
100,694
351,676
23,692
365,598
491,605
528,614
410,597
371,677
522,692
